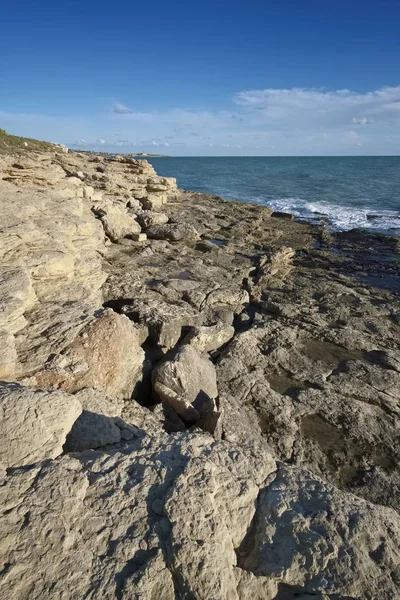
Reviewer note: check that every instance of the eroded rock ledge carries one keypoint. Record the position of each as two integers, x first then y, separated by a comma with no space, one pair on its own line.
199,398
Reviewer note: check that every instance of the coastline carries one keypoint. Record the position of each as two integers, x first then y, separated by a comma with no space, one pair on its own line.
350,192
191,385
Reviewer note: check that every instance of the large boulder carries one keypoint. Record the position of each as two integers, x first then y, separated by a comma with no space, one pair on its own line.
300,521
184,516
116,220
34,423
186,381
106,355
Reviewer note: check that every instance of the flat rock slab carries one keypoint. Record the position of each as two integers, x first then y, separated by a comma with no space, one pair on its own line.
34,424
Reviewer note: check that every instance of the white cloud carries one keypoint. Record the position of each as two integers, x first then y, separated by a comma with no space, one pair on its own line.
360,121
120,109
80,143
270,121
314,108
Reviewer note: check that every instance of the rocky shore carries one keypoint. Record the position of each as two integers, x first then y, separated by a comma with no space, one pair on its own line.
200,399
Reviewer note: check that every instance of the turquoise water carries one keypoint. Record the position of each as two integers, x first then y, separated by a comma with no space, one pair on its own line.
350,191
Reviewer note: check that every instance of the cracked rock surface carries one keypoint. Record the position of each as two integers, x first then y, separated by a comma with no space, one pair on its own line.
199,399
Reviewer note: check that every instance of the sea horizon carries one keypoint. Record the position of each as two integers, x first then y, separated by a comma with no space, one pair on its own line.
346,191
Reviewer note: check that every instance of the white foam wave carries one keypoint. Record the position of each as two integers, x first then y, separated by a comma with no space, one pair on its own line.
341,217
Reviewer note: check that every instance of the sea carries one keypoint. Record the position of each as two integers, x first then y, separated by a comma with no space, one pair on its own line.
345,192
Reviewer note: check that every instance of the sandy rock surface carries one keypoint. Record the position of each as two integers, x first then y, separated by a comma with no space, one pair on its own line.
199,399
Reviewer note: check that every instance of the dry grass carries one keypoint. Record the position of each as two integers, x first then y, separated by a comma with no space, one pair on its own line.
12,144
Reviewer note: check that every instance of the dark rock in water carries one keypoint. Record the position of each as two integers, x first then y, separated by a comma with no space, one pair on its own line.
283,215
373,217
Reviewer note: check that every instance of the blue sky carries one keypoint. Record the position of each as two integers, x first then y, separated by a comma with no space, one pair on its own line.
244,77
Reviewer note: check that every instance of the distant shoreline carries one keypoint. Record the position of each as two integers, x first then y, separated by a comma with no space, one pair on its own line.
130,154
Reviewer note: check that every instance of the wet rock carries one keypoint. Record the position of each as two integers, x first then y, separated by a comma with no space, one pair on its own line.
283,215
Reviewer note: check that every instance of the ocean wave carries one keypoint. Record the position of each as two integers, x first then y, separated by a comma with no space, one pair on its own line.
341,217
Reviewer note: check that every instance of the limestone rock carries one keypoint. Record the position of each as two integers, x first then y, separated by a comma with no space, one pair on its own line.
315,405
96,401
135,206
214,520
153,200
113,367
92,430
206,339
273,268
359,538
116,221
183,503
164,320
184,381
173,232
16,296
34,423
50,244
138,237
8,356
88,191
150,218
100,423
27,172
159,509
222,298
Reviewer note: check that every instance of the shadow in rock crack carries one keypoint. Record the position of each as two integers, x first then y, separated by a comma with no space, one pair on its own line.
293,592
139,559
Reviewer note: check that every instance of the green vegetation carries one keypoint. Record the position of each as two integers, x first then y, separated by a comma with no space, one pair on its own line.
10,144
